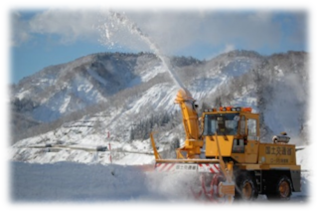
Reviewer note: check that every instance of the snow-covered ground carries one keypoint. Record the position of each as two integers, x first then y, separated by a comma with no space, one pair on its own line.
80,186
70,185
304,157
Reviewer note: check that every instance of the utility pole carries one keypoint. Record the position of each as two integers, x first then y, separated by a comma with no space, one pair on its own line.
110,152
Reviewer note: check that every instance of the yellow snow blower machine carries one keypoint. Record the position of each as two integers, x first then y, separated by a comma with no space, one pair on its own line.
223,146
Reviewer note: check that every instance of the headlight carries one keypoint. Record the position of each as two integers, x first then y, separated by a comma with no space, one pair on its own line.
195,106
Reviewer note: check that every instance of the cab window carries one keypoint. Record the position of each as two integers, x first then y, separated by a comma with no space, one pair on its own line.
251,127
242,125
223,124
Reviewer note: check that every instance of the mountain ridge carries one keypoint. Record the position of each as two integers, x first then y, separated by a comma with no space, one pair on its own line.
138,83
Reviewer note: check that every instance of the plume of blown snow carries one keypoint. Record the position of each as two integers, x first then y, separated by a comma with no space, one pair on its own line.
289,110
175,186
134,29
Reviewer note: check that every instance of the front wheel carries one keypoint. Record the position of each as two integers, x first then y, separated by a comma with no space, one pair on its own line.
281,190
246,188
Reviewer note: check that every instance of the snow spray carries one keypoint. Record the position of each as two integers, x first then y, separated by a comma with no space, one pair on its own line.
134,29
173,186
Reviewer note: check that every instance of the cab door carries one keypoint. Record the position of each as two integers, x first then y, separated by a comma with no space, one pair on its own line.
253,138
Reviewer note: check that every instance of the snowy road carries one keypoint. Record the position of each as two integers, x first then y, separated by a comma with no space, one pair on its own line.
74,182
67,185
300,202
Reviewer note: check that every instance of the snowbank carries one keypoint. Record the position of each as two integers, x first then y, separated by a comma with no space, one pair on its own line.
304,158
307,157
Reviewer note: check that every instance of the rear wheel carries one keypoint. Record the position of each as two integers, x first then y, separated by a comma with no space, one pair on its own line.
281,190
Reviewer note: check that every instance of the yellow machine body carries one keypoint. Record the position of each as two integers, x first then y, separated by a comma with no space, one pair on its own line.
229,138
193,143
243,144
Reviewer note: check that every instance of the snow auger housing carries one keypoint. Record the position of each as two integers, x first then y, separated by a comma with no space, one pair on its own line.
225,142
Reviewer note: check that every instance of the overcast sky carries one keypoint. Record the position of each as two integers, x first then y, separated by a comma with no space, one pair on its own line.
40,38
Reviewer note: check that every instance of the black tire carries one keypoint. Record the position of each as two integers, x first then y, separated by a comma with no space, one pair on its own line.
245,188
281,190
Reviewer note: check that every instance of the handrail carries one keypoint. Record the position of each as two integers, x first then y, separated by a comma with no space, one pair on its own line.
157,156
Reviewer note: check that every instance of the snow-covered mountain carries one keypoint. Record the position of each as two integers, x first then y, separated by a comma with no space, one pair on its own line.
61,89
118,98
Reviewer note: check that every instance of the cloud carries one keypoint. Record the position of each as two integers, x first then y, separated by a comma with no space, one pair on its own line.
19,30
262,15
70,25
252,30
297,22
228,48
171,30
304,22
174,30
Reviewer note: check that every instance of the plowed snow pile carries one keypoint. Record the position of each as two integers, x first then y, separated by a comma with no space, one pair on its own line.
307,158
304,157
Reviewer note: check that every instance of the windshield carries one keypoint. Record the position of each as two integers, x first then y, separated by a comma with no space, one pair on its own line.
225,124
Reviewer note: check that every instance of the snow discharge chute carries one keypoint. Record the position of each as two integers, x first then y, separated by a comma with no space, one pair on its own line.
214,175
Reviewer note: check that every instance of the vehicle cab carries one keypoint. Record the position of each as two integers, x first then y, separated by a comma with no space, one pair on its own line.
237,130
